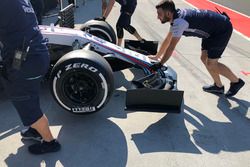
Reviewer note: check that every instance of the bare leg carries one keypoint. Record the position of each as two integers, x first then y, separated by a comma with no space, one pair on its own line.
119,42
226,72
137,36
212,67
42,126
216,68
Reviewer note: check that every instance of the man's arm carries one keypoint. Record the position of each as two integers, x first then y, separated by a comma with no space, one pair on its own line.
108,9
104,6
164,45
170,49
177,28
163,48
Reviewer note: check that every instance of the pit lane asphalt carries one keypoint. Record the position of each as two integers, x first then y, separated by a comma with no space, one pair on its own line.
210,131
241,6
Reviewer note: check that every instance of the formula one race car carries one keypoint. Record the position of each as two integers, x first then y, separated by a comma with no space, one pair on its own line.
83,62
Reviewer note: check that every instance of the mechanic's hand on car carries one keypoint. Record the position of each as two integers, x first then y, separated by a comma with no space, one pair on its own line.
156,66
100,18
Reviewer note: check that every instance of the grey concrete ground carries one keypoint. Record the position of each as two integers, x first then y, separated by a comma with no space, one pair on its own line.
241,6
210,131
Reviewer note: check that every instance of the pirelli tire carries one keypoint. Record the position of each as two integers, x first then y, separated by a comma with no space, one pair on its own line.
82,82
100,29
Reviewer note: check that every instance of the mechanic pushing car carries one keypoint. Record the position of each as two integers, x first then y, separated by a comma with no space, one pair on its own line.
25,60
124,21
215,29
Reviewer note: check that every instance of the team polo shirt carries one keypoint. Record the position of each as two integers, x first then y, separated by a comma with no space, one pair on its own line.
17,23
197,23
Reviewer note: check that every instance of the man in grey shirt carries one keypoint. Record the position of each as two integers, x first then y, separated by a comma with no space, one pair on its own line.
215,29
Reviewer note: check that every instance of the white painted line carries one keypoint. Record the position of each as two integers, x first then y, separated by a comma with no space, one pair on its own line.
242,35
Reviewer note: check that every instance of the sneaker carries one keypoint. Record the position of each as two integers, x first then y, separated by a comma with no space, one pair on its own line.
213,89
31,134
45,147
234,88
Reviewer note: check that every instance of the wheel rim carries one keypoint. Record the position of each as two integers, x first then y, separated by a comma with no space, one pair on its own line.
80,87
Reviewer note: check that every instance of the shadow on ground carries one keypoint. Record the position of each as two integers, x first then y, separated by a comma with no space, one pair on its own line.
170,134
213,136
91,140
87,140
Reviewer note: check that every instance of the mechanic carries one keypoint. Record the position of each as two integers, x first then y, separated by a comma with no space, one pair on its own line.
124,21
215,29
26,60
38,6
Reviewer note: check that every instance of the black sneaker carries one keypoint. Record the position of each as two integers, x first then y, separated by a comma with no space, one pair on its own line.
31,134
234,88
213,89
45,147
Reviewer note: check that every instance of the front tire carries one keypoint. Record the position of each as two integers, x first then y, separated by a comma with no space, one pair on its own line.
82,82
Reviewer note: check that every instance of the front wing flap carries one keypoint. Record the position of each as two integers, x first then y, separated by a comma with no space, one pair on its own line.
154,100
